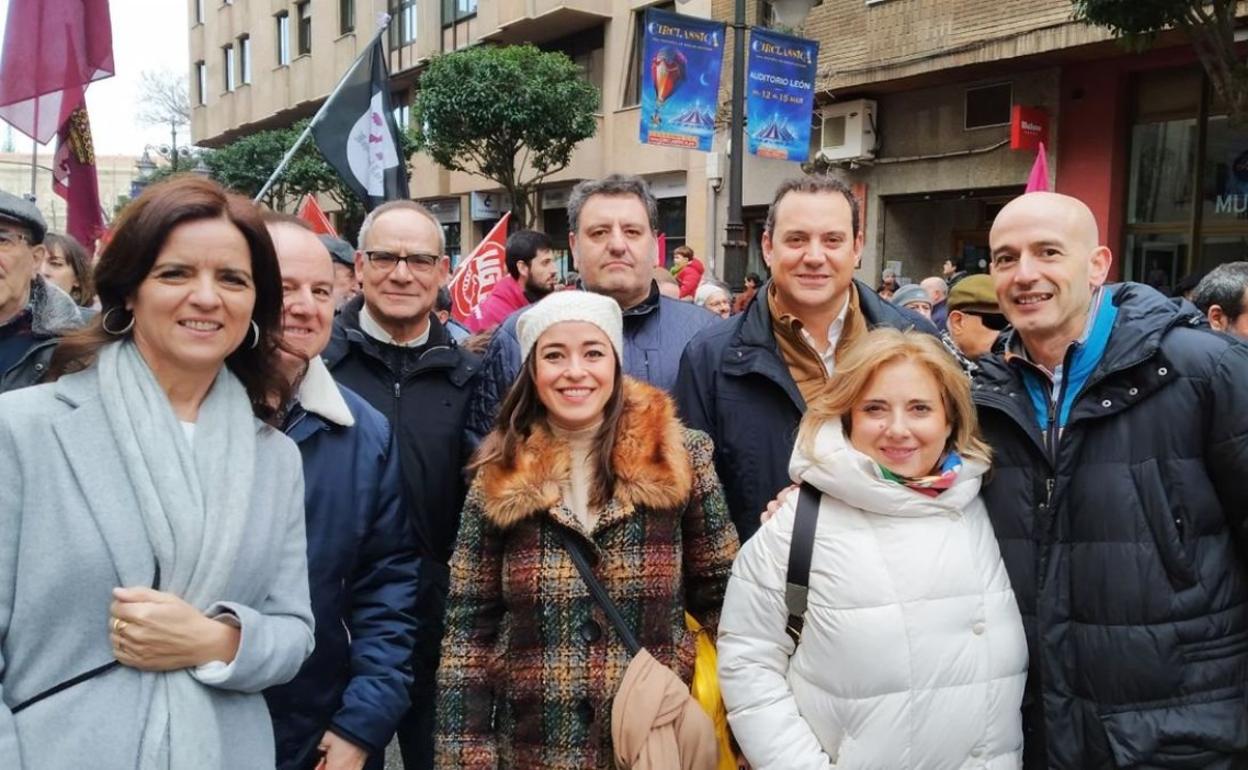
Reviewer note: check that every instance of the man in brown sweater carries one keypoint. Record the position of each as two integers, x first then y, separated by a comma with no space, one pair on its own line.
747,382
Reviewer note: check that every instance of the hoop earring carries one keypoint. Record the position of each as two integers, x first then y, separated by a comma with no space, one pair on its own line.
255,330
119,332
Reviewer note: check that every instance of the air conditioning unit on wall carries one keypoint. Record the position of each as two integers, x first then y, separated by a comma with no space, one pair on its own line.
848,130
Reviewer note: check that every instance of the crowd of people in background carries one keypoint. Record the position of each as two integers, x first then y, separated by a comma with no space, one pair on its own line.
266,502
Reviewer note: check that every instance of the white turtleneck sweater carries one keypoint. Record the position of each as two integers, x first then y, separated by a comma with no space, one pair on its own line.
580,454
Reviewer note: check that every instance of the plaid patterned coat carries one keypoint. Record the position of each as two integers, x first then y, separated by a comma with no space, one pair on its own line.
530,663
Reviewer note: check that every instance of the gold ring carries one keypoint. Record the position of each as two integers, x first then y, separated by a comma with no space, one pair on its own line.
118,624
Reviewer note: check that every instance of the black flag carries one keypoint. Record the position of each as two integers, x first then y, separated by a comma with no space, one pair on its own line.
358,136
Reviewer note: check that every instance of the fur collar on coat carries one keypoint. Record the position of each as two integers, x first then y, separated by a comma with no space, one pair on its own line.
652,468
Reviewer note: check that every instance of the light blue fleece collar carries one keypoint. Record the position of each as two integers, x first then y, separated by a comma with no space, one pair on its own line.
1087,353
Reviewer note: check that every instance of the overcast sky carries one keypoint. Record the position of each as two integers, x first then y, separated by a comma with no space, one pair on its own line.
147,35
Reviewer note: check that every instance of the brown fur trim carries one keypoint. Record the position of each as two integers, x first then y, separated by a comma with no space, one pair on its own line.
652,467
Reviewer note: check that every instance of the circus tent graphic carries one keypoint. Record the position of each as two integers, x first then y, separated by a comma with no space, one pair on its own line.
776,131
696,116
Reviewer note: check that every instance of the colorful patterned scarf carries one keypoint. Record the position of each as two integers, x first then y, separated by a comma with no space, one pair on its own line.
929,485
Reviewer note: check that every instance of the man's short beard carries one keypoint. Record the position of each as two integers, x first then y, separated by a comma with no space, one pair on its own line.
536,291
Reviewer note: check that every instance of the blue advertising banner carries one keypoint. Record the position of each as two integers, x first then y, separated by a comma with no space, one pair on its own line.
680,65
781,94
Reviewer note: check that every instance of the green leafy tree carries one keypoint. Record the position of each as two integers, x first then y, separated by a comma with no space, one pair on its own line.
512,114
246,164
1208,24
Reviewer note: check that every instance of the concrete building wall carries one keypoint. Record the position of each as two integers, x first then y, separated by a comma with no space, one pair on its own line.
115,173
921,135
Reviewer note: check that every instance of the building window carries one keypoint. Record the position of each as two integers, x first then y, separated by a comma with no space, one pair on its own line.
457,10
403,28
632,89
244,58
767,15
988,106
304,11
201,82
672,225
283,39
346,16
228,70
585,49
402,101
199,11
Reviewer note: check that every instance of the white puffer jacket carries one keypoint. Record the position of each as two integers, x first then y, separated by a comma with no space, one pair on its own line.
913,653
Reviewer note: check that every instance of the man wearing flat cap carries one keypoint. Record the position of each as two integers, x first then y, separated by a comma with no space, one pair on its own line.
33,313
345,284
975,321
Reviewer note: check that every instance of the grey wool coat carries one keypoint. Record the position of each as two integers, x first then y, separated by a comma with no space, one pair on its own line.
70,531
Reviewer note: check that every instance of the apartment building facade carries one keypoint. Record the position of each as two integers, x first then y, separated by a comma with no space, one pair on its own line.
1139,137
914,103
258,64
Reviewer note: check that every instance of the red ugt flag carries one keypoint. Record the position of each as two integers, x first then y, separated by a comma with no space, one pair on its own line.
475,277
311,212
52,50
74,177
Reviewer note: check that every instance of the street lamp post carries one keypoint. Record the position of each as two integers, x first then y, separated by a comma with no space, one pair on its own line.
789,13
145,166
735,247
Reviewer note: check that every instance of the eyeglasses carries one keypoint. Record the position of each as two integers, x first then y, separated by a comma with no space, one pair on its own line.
994,321
9,238
388,260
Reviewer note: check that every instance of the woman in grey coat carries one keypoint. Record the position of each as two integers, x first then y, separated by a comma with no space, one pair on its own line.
153,577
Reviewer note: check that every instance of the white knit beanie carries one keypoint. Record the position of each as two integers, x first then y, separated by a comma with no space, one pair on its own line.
571,305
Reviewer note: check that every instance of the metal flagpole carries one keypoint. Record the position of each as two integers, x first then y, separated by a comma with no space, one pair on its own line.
290,154
34,163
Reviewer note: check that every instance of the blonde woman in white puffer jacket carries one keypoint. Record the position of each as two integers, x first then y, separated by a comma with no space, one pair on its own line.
913,653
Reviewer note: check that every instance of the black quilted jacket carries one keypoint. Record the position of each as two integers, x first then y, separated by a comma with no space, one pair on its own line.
1123,538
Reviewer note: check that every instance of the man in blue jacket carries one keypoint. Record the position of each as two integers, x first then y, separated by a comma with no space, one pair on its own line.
613,223
746,382
348,698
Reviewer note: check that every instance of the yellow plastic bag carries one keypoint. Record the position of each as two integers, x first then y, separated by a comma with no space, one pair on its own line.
705,690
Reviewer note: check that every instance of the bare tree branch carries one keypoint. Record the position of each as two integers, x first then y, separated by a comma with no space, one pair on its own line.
163,99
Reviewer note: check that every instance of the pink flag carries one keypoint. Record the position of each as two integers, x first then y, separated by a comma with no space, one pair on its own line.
1038,180
475,277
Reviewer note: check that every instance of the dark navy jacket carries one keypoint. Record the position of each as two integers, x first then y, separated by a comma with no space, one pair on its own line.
655,335
427,404
1122,514
735,386
362,576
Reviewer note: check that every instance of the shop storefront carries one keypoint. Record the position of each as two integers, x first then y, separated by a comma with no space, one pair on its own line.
1187,195
486,208
670,191
447,211
554,222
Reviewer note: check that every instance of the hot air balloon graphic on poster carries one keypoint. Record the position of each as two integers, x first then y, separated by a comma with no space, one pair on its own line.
668,68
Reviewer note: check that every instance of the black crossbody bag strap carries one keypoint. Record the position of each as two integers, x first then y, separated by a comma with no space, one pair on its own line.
599,592
79,679
801,546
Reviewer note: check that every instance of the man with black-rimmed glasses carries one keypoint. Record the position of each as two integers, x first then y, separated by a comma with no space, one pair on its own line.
389,347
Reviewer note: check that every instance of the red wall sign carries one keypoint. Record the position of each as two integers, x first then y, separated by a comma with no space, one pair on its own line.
1029,126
